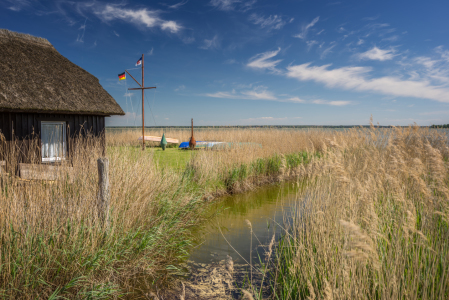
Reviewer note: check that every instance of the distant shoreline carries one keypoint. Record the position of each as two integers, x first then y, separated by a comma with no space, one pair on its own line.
273,126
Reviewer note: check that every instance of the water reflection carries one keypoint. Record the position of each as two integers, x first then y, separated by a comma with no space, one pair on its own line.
229,233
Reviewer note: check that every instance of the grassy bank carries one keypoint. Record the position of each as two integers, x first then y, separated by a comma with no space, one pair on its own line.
372,223
52,245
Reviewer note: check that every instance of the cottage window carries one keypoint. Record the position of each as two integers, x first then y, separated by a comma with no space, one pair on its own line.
54,143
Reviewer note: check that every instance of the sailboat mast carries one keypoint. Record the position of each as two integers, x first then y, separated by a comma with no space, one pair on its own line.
143,110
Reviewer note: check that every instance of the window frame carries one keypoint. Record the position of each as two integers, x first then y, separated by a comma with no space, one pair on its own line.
64,141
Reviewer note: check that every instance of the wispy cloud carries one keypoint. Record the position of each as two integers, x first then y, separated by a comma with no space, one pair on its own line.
265,119
228,5
178,5
115,32
151,51
377,54
213,43
180,88
332,103
80,38
257,93
225,5
310,44
18,5
271,22
297,100
263,61
306,28
139,17
328,50
230,61
356,78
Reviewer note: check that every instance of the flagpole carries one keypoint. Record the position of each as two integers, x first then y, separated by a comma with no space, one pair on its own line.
143,111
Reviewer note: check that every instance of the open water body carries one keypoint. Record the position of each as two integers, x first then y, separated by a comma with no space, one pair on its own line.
229,233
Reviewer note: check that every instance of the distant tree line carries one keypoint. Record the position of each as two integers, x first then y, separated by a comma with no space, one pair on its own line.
440,126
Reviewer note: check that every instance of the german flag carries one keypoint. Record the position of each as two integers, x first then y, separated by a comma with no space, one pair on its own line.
122,76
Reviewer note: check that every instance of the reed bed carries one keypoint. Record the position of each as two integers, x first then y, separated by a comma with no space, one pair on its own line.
372,222
53,245
258,156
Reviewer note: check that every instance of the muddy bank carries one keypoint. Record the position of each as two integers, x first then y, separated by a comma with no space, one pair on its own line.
222,280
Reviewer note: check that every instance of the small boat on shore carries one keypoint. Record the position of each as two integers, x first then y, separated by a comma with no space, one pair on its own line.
201,145
150,138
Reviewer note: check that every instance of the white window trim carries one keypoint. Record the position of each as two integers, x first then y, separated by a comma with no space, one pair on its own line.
64,141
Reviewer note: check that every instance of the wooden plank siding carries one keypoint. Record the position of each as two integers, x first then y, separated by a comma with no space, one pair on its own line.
27,127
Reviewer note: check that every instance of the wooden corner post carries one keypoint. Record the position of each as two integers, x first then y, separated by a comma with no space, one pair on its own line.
103,192
143,111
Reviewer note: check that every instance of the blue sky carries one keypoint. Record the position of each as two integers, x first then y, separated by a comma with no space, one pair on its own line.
256,62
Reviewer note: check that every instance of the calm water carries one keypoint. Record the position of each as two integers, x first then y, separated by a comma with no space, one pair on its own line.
229,233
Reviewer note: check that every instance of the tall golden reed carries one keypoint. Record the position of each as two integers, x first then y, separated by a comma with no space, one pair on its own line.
373,222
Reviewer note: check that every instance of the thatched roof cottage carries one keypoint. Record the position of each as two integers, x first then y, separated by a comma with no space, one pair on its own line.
43,95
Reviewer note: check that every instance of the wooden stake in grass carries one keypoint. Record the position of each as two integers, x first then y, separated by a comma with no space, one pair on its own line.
103,192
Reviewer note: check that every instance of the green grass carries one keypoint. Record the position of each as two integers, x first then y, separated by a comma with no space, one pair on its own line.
170,158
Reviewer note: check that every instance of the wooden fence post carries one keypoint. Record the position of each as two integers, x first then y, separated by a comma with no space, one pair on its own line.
103,192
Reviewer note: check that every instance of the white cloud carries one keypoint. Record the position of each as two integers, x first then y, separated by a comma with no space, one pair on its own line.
356,78
171,26
296,99
360,42
116,33
392,38
80,38
333,103
426,61
271,22
249,120
327,50
257,93
306,28
177,5
188,40
444,53
262,61
228,5
151,51
225,5
18,5
377,54
310,44
213,43
139,17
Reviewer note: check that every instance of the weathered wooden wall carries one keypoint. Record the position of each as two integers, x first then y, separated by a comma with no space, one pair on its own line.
21,133
24,125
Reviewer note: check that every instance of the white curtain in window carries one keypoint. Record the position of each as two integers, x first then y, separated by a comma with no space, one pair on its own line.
53,141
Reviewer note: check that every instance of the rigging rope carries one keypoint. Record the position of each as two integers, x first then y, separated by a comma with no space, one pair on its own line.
154,95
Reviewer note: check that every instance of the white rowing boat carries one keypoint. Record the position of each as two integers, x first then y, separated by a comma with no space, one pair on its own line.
150,138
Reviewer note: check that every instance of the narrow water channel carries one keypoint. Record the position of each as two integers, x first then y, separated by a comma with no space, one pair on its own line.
238,237
229,232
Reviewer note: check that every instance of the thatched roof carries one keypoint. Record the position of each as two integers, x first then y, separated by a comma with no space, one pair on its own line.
37,78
